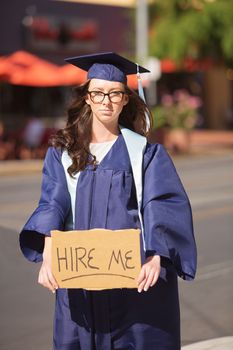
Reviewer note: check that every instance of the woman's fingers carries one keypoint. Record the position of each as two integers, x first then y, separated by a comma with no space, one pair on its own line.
154,280
52,280
141,276
149,280
149,273
47,280
46,277
141,279
44,280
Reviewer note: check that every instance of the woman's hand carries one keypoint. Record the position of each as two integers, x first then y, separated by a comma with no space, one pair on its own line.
149,273
45,274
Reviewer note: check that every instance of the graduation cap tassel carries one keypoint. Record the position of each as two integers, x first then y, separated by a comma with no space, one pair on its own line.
142,95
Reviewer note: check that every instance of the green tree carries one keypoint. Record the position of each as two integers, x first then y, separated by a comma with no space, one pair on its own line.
192,28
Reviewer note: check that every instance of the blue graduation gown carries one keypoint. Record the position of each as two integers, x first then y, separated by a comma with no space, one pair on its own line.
106,198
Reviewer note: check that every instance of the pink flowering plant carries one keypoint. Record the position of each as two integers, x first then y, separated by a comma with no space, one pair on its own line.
179,110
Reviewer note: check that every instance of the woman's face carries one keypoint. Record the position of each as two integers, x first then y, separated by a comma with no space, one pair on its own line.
106,108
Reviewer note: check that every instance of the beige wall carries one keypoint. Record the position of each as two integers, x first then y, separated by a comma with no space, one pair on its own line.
218,97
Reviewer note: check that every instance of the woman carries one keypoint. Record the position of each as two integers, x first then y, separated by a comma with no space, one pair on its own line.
89,182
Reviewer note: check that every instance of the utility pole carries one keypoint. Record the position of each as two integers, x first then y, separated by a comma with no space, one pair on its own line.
141,30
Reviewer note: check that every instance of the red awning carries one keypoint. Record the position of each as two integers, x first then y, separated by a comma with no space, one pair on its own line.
189,65
23,68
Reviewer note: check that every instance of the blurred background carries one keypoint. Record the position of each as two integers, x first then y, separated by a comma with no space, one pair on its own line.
188,46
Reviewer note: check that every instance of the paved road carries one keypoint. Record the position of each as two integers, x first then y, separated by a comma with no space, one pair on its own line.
206,304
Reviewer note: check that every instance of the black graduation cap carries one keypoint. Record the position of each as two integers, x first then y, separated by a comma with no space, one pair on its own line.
107,66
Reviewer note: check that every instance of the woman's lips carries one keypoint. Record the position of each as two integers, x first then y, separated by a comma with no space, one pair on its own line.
106,111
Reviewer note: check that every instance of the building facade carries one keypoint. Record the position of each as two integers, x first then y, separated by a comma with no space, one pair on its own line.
57,29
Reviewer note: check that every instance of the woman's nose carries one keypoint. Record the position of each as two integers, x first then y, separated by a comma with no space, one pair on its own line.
106,99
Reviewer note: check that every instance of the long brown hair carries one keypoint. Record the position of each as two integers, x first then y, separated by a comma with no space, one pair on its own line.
76,136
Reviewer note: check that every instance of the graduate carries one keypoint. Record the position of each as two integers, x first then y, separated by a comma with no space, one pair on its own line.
101,172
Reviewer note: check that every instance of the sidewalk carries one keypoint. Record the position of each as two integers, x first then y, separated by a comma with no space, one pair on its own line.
203,142
225,343
211,141
19,167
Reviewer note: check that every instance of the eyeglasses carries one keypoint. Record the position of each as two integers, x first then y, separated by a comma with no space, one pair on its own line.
99,96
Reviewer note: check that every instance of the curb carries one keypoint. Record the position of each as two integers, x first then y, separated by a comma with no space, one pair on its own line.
19,167
22,167
224,343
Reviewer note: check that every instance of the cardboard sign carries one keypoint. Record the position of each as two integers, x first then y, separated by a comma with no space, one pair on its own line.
96,259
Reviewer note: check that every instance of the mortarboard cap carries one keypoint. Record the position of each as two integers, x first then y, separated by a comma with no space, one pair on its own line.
107,66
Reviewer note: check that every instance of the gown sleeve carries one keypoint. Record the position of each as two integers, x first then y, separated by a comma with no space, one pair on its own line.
167,213
52,210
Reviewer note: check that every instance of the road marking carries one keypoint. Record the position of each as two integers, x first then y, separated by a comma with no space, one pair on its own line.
202,213
17,204
219,196
219,270
214,270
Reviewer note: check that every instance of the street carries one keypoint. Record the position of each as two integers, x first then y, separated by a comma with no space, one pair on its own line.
26,308
207,303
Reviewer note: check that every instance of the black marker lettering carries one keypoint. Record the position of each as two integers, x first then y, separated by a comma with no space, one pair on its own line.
71,259
80,258
61,258
128,258
91,258
119,257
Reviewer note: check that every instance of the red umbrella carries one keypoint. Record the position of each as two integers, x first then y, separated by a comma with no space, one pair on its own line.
70,75
5,69
23,68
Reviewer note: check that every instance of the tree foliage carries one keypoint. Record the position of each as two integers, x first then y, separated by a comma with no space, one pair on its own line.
192,28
